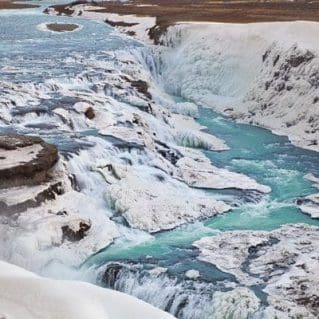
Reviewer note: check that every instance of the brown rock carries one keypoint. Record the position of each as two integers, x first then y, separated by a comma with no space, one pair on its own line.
78,234
31,170
89,113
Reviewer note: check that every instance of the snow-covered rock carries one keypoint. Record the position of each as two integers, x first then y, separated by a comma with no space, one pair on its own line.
23,295
310,204
285,261
155,203
192,274
285,95
25,160
238,303
158,270
51,224
202,174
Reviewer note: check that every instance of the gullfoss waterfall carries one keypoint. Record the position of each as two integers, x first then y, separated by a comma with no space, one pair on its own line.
128,152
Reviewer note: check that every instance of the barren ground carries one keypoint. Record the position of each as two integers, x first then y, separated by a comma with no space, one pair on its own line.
169,12
7,4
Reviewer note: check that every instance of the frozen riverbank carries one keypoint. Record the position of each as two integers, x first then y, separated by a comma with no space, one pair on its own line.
284,261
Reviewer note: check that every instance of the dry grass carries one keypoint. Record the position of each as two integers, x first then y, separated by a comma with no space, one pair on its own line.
7,4
168,11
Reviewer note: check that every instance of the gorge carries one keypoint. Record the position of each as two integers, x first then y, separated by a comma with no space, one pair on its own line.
161,178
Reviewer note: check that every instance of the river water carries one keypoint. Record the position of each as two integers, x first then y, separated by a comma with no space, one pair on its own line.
29,56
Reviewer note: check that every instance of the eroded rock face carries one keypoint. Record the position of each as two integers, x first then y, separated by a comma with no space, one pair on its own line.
285,95
284,261
310,204
25,160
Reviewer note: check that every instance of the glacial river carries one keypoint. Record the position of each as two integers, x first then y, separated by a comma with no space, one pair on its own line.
29,55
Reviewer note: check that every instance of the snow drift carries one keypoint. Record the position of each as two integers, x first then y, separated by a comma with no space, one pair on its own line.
24,295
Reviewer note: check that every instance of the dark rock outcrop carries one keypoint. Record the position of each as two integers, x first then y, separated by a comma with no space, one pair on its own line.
37,158
89,113
76,234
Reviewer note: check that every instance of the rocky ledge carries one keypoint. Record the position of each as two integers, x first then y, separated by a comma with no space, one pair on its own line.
25,160
40,210
310,204
283,262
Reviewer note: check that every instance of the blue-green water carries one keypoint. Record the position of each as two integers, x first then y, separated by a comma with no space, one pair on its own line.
270,159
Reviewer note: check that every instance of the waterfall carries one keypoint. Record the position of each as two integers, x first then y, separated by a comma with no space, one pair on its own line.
182,297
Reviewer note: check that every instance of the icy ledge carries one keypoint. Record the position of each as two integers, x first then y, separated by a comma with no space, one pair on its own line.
23,295
284,261
310,204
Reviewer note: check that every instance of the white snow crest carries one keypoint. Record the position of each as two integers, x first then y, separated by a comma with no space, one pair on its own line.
24,295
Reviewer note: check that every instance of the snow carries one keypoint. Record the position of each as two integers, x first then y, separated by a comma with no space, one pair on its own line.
213,250
158,270
15,195
192,274
153,205
17,157
24,295
202,174
35,237
284,260
310,204
236,304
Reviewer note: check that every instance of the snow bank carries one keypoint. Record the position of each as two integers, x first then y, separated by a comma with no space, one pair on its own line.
136,26
24,295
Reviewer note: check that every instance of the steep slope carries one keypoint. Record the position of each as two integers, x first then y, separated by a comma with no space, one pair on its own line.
265,74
